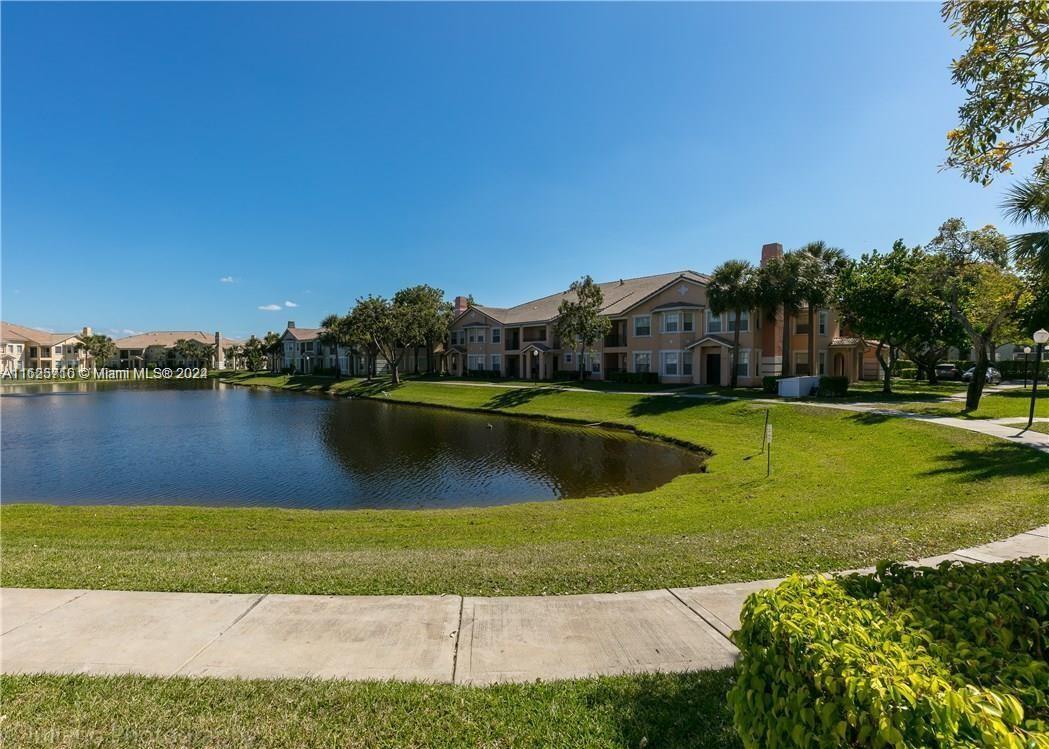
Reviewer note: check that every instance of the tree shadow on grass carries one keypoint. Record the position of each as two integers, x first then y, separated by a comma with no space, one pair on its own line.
518,397
994,461
670,710
657,405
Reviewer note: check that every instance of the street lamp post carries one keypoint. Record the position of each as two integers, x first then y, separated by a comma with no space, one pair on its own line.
1027,359
1040,338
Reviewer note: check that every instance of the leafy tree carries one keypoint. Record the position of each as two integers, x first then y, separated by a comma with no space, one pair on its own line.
1005,75
733,287
427,318
579,319
780,288
155,355
99,347
335,332
255,352
982,288
876,298
381,326
820,267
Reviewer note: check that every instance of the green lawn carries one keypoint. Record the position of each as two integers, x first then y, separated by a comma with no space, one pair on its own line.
846,490
60,712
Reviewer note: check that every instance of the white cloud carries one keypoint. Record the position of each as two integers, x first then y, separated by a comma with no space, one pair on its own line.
227,279
290,304
269,307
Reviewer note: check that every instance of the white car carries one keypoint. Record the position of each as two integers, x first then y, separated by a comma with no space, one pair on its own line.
993,375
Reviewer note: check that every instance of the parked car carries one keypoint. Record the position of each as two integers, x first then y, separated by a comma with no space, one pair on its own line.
948,372
993,375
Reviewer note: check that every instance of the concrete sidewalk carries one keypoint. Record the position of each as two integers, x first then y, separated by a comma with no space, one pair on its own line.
465,640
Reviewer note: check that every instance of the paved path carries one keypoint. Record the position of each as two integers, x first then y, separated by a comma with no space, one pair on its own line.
465,640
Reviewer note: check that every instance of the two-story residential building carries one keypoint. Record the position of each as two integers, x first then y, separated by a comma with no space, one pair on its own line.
22,347
303,353
157,349
660,324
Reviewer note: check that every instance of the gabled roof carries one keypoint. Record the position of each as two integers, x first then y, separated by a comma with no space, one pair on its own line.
620,296
20,333
710,338
165,338
302,334
542,347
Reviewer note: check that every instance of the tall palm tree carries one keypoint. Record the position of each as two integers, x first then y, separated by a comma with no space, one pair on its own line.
820,267
779,288
334,334
271,343
733,288
1028,203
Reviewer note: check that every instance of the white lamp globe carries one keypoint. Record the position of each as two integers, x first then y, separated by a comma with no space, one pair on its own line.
1041,336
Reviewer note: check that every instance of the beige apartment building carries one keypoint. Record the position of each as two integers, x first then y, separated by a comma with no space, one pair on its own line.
659,324
22,347
157,349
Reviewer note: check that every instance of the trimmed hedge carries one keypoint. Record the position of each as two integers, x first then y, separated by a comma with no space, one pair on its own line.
770,384
634,378
952,656
832,387
487,374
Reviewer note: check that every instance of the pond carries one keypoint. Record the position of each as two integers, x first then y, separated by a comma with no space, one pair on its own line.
207,443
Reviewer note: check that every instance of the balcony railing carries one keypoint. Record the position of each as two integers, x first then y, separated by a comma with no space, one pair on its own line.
612,341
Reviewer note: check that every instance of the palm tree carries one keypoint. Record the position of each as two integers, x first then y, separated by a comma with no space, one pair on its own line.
272,345
820,267
334,333
779,287
1028,203
733,287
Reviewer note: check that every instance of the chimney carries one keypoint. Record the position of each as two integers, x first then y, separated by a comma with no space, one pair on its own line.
291,323
86,331
769,251
461,304
220,355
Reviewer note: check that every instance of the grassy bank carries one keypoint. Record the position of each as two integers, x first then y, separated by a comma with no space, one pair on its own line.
846,490
59,712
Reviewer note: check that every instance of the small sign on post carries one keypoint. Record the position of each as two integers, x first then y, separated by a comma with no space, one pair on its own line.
765,431
768,441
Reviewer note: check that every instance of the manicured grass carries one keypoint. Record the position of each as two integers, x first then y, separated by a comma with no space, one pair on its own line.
1000,405
846,490
667,710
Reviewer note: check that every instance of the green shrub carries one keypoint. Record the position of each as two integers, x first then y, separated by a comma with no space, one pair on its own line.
770,384
832,387
952,656
634,378
908,371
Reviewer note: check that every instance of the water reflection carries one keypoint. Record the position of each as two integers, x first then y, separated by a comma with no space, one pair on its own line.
210,444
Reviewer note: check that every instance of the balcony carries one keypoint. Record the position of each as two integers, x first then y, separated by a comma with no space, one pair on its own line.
615,341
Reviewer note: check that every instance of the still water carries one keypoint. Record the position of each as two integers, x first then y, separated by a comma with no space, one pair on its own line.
205,443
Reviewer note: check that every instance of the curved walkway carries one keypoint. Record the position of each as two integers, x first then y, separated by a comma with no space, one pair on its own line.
463,640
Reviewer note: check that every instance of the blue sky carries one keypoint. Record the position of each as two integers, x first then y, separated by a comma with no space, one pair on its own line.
179,166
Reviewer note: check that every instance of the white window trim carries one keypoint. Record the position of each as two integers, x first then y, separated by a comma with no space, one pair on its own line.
633,328
662,362
495,332
664,318
730,318
743,351
687,354
822,322
706,323
497,362
633,360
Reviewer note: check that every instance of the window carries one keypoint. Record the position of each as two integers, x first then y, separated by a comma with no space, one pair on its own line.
474,363
822,361
823,323
687,319
670,363
642,361
568,357
671,322
497,363
713,322
744,322
497,335
476,335
595,365
743,363
643,326
686,363
801,323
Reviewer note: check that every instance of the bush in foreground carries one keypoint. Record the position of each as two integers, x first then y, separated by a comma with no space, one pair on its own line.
952,656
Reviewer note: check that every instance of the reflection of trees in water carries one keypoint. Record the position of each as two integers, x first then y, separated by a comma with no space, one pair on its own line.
404,453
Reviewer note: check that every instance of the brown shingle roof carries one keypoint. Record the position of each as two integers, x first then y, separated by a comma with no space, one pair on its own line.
619,296
165,338
14,333
302,334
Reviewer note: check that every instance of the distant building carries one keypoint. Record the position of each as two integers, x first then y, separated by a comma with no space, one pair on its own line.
303,353
22,347
157,349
